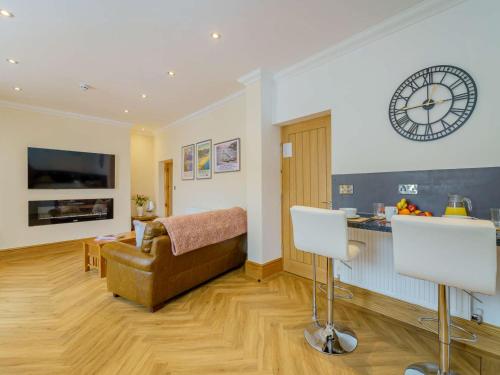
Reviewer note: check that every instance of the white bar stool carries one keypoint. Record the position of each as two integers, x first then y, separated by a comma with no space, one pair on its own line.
450,252
324,232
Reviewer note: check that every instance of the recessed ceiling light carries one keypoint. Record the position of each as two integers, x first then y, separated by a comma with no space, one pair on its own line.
12,61
18,89
143,129
144,96
6,13
171,73
215,35
126,111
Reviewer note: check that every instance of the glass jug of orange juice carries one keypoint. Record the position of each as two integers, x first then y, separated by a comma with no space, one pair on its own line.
458,206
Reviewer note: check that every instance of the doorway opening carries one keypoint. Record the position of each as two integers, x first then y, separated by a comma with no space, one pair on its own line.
168,184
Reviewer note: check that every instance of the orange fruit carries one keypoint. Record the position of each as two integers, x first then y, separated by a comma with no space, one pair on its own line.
404,211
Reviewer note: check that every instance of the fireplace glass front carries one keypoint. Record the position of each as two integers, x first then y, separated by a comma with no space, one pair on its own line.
69,211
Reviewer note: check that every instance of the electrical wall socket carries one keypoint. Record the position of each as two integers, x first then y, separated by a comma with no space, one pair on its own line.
408,189
346,189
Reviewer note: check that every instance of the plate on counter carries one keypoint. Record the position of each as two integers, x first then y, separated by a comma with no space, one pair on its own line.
353,217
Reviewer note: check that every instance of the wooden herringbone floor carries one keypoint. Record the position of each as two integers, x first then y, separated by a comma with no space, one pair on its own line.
56,319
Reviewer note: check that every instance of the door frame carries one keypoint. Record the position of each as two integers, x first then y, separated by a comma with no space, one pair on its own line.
168,186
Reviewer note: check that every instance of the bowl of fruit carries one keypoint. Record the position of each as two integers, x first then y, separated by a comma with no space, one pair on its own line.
405,207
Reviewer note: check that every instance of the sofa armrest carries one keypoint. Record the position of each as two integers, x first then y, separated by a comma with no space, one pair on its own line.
128,255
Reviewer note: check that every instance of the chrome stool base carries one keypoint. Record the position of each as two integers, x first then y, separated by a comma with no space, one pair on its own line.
331,340
426,368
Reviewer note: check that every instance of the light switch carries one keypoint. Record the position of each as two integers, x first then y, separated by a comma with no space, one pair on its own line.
409,189
287,150
346,189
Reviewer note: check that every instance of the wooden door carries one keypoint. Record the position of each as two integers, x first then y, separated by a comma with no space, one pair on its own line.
306,181
168,178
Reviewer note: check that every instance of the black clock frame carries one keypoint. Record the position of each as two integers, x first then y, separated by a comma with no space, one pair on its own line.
399,123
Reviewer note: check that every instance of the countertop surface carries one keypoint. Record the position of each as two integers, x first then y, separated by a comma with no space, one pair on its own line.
383,226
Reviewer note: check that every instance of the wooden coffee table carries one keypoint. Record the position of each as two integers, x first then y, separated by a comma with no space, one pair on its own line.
92,258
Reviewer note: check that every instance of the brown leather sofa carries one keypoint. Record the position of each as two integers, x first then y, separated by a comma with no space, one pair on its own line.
151,275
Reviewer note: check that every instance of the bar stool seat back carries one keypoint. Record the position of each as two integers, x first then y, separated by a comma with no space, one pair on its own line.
449,251
320,231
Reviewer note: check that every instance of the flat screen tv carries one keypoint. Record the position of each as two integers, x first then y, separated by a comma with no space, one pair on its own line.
58,169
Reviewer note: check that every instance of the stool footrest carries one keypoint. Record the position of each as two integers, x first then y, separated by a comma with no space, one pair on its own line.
348,294
472,336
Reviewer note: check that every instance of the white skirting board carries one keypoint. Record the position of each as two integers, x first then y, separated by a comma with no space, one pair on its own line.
373,269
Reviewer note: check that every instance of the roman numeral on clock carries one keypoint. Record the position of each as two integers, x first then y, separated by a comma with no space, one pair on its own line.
402,121
428,78
428,129
413,129
455,84
457,111
445,124
414,86
463,96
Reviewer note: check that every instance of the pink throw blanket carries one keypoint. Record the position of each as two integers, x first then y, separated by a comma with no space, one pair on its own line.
191,232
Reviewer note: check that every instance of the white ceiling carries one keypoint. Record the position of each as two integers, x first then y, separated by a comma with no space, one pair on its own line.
124,48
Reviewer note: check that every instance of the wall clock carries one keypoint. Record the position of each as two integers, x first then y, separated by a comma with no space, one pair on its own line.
433,103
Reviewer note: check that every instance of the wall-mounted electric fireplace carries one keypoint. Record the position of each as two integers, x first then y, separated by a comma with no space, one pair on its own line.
69,211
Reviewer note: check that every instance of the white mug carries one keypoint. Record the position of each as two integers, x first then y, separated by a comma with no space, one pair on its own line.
390,211
350,212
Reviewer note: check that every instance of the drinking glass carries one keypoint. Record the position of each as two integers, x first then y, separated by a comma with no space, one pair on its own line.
495,216
379,209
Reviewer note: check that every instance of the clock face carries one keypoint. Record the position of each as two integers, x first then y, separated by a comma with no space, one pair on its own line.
433,103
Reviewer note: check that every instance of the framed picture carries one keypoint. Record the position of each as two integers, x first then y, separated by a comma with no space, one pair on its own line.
187,162
227,156
204,160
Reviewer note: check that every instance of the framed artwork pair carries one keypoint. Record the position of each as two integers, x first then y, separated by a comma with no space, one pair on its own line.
197,159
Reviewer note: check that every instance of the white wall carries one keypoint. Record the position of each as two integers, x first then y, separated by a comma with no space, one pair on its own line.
20,129
142,164
263,176
224,122
358,86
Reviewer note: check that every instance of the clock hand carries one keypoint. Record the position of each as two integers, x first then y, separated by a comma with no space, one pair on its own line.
421,105
434,87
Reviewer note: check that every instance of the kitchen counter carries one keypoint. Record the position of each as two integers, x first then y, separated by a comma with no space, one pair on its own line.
382,226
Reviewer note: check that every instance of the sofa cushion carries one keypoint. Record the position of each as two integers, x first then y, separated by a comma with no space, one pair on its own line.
152,230
139,228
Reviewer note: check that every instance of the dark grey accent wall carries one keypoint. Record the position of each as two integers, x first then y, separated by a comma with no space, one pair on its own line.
481,185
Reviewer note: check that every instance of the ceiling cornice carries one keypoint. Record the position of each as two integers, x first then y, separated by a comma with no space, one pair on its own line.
402,20
208,108
250,77
256,75
59,113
